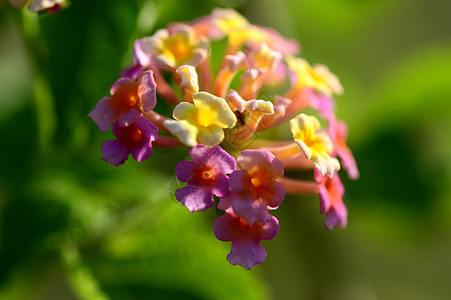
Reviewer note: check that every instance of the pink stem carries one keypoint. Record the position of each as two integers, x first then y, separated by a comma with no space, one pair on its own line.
163,87
166,142
284,152
298,162
205,76
156,119
295,186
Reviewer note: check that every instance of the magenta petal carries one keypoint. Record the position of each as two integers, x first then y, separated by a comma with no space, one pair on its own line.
270,229
139,55
147,88
142,152
253,211
339,134
323,104
246,253
250,158
337,216
277,198
121,82
348,163
195,198
148,130
222,228
246,250
225,203
184,170
324,203
214,156
236,181
221,188
132,71
125,118
115,152
103,115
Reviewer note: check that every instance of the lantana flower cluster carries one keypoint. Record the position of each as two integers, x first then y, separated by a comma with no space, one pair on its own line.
40,6
219,112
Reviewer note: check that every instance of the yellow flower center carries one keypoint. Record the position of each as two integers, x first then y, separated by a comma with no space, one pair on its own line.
178,46
206,116
256,182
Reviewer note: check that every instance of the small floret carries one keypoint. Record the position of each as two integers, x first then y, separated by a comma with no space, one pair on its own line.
135,139
330,191
202,121
246,249
315,146
205,175
128,100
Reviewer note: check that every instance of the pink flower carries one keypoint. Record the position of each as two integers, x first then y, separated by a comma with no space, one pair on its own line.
135,139
128,100
254,188
331,190
205,175
322,103
246,249
339,132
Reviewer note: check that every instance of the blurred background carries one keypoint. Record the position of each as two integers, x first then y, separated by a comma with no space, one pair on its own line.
75,227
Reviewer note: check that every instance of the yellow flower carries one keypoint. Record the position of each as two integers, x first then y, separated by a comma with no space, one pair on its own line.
315,146
319,77
176,49
228,19
188,77
202,121
265,58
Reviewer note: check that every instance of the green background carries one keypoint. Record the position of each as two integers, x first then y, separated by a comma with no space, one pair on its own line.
75,227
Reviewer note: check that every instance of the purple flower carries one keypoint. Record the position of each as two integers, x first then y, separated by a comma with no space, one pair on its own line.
128,100
246,249
330,191
254,188
205,175
135,139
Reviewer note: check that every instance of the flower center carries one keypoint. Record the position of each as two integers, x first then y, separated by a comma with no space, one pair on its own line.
125,96
206,117
178,47
256,182
206,174
136,135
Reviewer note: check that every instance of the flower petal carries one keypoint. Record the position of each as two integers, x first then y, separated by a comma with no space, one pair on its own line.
195,198
127,117
222,161
121,83
221,188
115,152
213,111
142,152
147,91
103,115
246,253
185,110
183,130
250,209
148,130
237,181
210,136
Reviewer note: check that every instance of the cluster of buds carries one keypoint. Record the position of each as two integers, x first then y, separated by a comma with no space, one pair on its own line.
40,6
218,115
